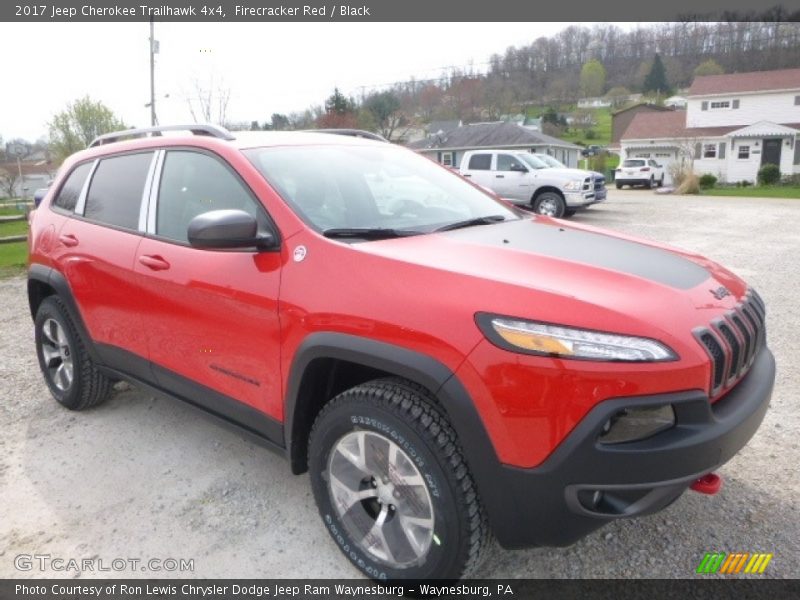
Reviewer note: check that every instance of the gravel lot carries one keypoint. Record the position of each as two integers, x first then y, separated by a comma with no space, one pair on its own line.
145,478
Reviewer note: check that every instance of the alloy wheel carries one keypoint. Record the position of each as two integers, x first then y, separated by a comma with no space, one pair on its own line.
57,354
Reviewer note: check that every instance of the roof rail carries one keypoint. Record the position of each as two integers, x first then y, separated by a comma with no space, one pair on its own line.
353,133
196,129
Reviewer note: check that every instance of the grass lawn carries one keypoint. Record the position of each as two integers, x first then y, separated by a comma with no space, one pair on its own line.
773,191
13,258
13,228
9,211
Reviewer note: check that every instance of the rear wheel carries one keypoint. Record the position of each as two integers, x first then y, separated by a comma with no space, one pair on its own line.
68,370
619,185
549,204
651,184
392,486
661,182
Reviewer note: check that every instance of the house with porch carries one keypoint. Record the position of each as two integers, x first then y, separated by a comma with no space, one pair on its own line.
448,148
733,124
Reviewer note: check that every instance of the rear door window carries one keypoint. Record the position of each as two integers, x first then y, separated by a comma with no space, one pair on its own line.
116,190
71,190
480,162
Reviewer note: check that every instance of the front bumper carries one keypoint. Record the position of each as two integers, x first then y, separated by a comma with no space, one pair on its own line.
580,199
550,505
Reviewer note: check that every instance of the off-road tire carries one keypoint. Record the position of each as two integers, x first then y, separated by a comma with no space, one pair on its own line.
89,387
405,413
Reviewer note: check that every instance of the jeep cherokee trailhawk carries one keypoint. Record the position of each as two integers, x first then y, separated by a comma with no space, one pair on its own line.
445,367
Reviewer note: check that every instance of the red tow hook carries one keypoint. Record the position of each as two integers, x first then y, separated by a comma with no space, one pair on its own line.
708,484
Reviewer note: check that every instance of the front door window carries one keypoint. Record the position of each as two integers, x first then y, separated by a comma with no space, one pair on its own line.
772,152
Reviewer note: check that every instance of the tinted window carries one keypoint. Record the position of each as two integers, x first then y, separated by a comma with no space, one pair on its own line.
480,162
633,163
116,190
191,184
506,162
71,190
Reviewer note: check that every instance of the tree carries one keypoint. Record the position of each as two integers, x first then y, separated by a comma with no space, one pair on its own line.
618,96
384,108
340,112
75,127
709,67
593,78
279,122
209,102
8,180
656,80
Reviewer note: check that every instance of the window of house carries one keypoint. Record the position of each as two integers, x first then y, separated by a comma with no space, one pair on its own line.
480,162
643,155
720,104
663,155
115,193
68,194
193,183
709,151
447,159
744,152
797,100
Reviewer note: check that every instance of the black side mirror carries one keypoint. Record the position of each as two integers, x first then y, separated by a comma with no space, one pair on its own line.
227,229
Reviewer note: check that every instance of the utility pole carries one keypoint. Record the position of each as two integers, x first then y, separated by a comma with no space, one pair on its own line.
153,50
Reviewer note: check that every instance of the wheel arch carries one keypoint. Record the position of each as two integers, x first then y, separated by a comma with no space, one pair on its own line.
546,188
45,281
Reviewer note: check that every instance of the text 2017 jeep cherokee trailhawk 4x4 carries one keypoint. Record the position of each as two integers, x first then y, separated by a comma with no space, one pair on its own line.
446,367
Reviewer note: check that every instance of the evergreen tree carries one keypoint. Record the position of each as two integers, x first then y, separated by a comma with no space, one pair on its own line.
656,80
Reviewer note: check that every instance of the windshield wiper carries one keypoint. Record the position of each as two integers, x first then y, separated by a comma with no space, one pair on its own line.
470,222
368,233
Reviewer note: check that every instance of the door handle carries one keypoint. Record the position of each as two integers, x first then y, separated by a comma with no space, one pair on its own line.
467,175
156,263
500,176
68,240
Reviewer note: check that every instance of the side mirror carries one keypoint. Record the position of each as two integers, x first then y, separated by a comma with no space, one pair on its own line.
227,229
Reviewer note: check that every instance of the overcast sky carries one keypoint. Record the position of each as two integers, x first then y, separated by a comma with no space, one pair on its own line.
268,67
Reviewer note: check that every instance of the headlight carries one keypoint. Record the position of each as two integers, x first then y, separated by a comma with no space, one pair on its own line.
574,185
530,337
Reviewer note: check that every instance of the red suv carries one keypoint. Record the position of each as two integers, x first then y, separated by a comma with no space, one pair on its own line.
445,366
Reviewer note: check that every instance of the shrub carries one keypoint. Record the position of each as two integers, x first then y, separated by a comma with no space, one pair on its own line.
707,181
679,170
591,134
689,185
769,174
746,183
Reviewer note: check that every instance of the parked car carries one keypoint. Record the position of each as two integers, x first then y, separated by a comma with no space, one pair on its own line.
444,370
523,179
591,150
639,171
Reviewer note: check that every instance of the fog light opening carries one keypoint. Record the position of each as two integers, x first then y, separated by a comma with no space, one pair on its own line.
637,423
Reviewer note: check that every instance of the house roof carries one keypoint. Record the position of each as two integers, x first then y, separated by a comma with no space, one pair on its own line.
756,81
668,125
444,126
649,105
489,135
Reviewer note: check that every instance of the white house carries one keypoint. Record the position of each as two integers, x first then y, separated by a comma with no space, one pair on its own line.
733,124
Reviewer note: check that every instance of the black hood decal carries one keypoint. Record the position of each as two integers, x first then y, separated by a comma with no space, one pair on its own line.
603,251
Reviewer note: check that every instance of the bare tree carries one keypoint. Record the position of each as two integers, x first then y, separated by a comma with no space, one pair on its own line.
208,102
9,176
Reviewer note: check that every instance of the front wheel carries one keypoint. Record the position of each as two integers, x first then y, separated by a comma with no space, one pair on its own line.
73,378
549,204
392,486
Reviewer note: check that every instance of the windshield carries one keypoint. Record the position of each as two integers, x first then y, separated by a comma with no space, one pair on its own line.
532,161
633,163
550,161
342,188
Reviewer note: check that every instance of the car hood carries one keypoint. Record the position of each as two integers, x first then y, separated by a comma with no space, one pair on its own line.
568,267
568,173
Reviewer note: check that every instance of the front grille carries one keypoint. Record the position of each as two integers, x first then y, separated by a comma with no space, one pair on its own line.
733,340
599,183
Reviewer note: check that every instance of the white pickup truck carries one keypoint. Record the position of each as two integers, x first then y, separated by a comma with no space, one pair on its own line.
526,180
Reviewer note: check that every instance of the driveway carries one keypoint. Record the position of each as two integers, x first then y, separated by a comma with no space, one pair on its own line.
147,478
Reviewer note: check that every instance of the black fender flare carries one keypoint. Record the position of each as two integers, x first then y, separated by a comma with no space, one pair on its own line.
56,281
424,370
